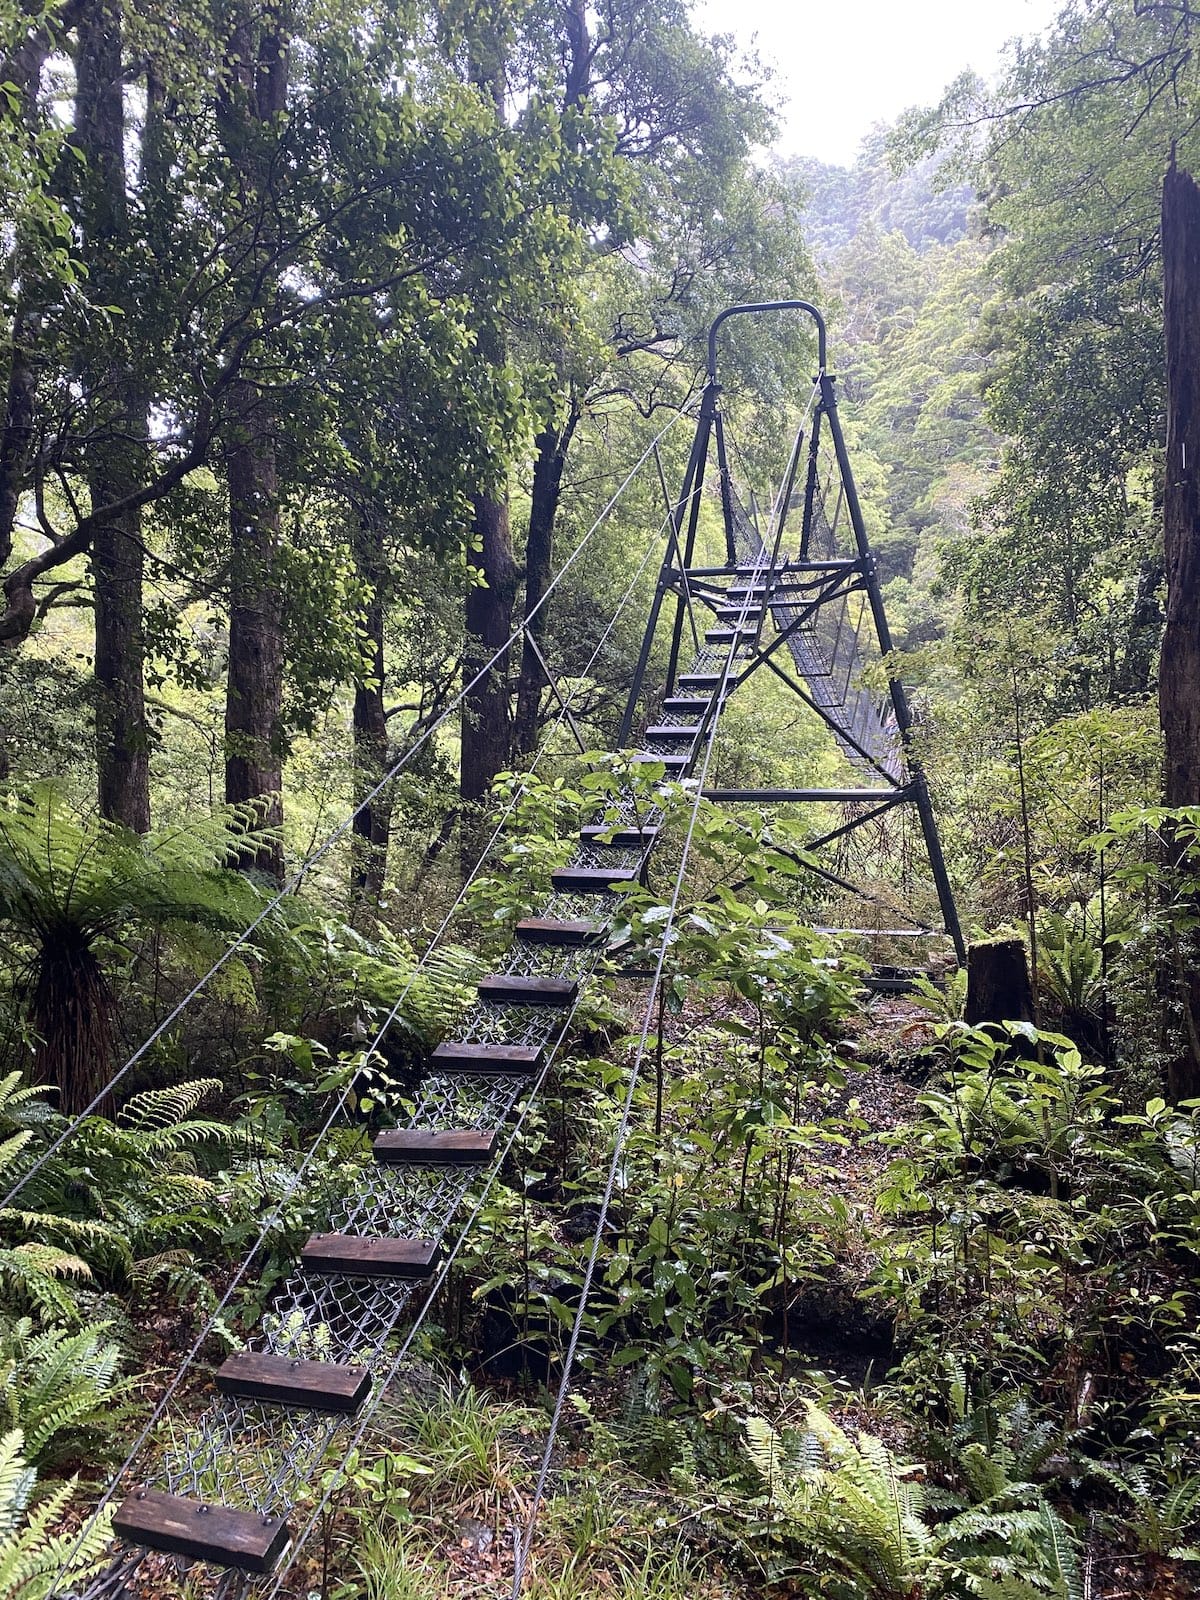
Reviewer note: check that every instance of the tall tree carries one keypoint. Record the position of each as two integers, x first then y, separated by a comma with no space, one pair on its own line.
1179,672
492,573
253,98
682,234
372,818
113,456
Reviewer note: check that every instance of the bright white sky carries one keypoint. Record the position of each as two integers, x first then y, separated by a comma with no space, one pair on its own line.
843,65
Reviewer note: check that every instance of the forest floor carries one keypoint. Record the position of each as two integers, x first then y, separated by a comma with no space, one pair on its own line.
605,1528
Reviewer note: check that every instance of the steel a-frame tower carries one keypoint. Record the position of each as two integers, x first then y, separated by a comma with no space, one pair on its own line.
823,601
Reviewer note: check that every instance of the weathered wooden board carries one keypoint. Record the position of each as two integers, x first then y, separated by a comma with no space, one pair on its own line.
353,1255
498,1059
451,1147
206,1532
320,1385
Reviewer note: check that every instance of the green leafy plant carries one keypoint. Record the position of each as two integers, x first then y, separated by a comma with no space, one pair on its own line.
63,1390
73,892
1162,1517
125,1205
37,1555
862,1524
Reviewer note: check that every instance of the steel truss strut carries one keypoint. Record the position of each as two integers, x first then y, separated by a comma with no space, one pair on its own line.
825,605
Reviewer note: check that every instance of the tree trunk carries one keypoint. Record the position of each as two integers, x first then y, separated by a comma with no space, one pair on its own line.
23,70
552,446
372,823
122,733
492,574
254,94
487,717
1179,670
17,437
73,1011
998,986
254,687
113,456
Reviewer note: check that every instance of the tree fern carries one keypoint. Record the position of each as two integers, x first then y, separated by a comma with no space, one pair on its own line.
70,889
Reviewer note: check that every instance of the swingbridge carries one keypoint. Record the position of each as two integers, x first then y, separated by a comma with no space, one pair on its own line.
796,596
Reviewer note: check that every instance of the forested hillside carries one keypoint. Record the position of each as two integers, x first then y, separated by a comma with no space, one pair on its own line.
492,1100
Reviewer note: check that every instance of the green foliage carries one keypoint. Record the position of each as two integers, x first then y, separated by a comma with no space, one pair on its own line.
945,1001
1043,1227
37,1554
857,1521
74,892
62,1390
1162,1516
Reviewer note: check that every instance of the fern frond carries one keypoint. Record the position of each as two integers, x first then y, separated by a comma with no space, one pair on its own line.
765,1449
155,1109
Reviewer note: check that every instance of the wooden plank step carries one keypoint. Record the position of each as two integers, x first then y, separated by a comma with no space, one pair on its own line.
206,1532
505,988
627,838
546,930
673,763
686,705
356,1255
450,1147
487,1060
320,1385
592,880
673,730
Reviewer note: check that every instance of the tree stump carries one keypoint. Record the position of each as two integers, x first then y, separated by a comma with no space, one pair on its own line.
998,986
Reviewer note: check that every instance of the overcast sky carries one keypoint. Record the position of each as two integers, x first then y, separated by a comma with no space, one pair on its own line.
844,65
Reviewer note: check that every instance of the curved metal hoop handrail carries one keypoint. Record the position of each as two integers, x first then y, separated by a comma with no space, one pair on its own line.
756,310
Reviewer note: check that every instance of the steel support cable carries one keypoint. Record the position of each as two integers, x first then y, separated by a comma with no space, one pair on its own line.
524,1542
529,1097
397,1360
300,1540
393,1368
273,1217
339,832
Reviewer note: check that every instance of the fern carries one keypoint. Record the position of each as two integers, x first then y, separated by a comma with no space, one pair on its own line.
867,1527
38,1275
765,1449
121,1195
63,1390
36,1558
946,1002
1161,1518
163,1109
74,891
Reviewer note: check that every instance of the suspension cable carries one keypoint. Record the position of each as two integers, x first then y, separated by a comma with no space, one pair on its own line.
301,1538
523,1541
294,1179
316,855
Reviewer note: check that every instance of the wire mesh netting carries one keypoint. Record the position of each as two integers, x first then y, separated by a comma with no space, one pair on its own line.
257,1456
828,627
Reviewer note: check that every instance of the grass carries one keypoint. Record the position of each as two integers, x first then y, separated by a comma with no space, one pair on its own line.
602,1534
